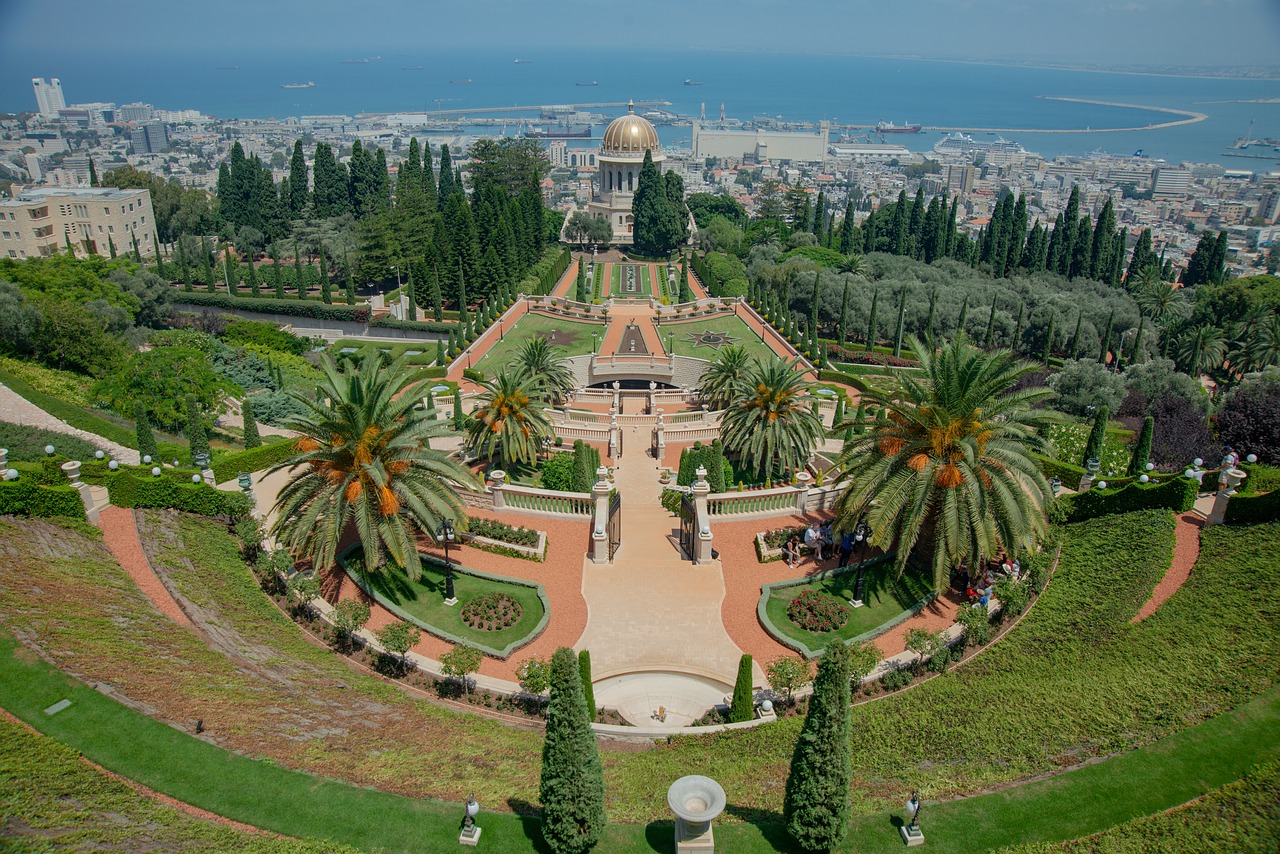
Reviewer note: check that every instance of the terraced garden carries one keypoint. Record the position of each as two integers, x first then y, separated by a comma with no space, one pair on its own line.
573,338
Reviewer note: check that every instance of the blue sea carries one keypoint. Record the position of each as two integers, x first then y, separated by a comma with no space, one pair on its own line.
851,89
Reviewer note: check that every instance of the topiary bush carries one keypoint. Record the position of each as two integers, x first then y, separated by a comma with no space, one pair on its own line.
815,611
1177,494
492,612
24,497
127,490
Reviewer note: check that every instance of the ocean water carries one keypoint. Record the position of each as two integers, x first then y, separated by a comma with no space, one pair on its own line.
860,90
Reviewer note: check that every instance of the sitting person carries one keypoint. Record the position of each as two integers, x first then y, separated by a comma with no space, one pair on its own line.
813,539
791,551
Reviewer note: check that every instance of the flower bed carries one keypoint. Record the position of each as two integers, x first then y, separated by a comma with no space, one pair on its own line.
492,612
1069,441
817,611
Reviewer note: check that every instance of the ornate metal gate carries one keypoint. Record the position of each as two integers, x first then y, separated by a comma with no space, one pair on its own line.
615,523
688,527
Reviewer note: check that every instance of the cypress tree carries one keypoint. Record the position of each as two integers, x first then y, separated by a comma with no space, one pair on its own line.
251,278
846,228
902,319
1104,234
1097,435
93,174
860,419
277,274
231,280
842,329
146,439
1081,249
1017,330
349,282
326,288
1048,341
251,437
446,187
197,438
816,804
298,281
933,308
297,181
1106,339
1068,226
1075,337
1135,355
572,783
588,690
813,305
991,324
1142,452
437,300
964,314
871,319
743,706
459,420
440,351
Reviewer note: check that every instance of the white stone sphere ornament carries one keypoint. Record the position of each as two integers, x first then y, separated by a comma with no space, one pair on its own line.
113,465
155,471
1151,466
146,460
97,455
1144,478
195,478
1197,462
1252,458
48,449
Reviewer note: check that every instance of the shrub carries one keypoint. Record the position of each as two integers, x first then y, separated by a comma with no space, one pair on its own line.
292,307
492,612
501,531
572,781
788,672
895,678
557,473
838,377
127,490
26,444
815,611
264,335
350,615
588,689
975,620
1248,420
816,803
228,466
398,637
24,497
1177,494
534,675
1251,509
1013,596
742,708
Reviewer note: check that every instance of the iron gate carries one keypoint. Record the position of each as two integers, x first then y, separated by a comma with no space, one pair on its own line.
615,523
688,527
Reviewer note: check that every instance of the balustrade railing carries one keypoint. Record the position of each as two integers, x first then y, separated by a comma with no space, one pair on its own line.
547,501
779,500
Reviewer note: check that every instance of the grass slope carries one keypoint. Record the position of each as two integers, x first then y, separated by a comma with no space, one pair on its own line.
885,595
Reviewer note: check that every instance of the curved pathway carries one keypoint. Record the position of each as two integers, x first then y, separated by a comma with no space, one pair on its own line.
18,410
120,536
1186,549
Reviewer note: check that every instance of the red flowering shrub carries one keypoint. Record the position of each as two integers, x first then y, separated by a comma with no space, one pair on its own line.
814,611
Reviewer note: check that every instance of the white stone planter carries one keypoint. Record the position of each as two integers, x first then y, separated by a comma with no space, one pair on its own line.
535,552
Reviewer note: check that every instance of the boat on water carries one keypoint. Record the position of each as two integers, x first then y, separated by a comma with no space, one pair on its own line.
411,68
592,83
565,132
518,59
689,81
890,127
355,62
463,82
310,84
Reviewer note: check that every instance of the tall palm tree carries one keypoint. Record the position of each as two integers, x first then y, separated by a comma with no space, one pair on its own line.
1264,345
363,457
770,422
722,377
1201,349
510,420
1161,301
536,357
949,475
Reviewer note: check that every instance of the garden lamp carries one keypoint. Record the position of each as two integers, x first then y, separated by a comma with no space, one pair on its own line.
1252,458
48,449
195,478
913,809
445,537
473,809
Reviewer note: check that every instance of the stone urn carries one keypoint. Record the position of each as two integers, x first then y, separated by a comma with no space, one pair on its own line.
696,801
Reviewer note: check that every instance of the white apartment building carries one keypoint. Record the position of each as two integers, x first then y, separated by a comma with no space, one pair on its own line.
48,96
44,221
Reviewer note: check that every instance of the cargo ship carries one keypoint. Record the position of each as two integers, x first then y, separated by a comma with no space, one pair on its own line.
518,59
310,84
890,127
463,82
558,133
592,83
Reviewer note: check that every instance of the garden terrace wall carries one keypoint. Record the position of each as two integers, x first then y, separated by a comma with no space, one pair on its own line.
505,652
1178,495
781,637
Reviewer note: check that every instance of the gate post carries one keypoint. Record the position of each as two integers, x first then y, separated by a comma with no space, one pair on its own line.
599,526
702,518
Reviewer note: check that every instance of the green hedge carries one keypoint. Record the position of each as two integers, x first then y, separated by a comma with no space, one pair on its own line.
435,371
1067,473
1178,494
291,307
1262,478
126,490
828,376
542,276
256,459
389,322
1251,509
24,497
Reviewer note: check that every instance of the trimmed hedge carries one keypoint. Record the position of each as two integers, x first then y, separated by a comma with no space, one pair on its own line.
1178,495
389,322
126,490
291,307
255,459
1252,509
542,276
27,498
829,376
1069,474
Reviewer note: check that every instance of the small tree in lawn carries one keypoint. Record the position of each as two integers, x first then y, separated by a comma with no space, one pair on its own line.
572,782
1098,435
460,662
251,437
862,660
146,440
398,638
588,689
787,673
535,677
816,804
348,617
743,706
925,644
197,438
303,589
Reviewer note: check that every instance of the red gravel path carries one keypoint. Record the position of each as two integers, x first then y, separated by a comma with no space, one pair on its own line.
120,535
560,574
1186,548
744,576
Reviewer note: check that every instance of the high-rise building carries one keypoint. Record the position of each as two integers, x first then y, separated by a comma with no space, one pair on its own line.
150,138
1171,183
48,96
135,112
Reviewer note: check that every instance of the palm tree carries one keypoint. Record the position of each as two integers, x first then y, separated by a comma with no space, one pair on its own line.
1161,301
536,357
1264,345
770,423
1201,349
949,475
363,457
510,420
722,377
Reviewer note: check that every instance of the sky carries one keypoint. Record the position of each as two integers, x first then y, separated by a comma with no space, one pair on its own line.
1105,32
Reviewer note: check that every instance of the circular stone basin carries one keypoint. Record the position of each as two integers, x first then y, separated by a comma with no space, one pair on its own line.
696,799
436,389
825,392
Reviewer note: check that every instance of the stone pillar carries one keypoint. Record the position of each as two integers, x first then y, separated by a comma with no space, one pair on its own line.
1227,488
702,517
662,438
803,480
499,481
600,523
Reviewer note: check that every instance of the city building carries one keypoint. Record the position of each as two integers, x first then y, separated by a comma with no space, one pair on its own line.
763,144
135,112
150,138
622,151
1171,183
44,221
49,98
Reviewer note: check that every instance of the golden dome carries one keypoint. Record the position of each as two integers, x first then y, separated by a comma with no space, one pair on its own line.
630,135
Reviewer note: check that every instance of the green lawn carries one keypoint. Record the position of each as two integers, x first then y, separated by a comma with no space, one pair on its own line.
423,602
885,596
729,325
419,352
572,337
644,286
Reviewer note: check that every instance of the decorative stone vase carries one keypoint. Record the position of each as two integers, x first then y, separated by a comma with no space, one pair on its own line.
696,801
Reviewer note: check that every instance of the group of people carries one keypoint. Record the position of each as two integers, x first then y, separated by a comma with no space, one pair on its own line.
977,587
819,539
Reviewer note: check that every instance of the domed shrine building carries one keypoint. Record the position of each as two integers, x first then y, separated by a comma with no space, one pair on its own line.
618,170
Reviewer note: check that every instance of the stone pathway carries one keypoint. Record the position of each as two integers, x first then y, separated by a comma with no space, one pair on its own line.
18,410
120,536
1186,549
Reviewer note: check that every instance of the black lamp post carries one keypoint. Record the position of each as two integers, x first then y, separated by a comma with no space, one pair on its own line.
913,807
445,536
